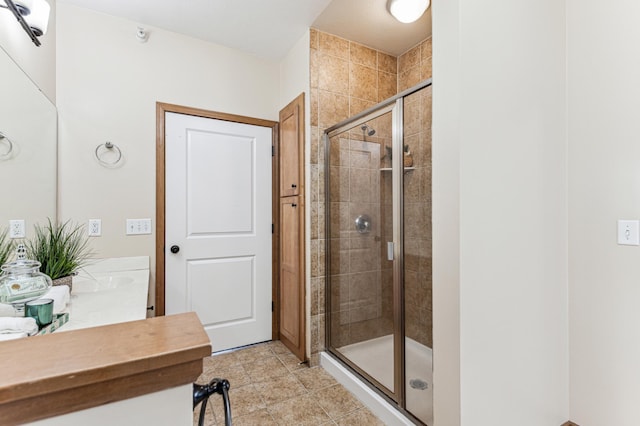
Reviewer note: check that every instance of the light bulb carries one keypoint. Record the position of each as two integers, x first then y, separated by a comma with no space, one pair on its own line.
38,19
407,11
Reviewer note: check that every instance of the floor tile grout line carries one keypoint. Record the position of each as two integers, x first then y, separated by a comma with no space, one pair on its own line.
268,350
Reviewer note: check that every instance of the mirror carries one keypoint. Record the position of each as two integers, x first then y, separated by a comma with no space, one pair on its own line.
28,120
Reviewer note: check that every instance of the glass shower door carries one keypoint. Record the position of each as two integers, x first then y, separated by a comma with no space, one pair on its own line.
417,254
360,263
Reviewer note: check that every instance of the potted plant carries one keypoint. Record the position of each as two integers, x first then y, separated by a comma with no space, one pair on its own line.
61,248
6,248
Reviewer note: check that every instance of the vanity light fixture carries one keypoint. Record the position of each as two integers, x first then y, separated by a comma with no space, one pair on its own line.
407,11
33,16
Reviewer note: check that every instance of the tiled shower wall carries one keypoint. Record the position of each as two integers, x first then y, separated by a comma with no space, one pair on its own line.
415,66
346,78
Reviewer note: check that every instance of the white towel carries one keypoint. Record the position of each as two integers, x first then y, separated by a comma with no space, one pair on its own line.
7,310
18,325
60,296
12,336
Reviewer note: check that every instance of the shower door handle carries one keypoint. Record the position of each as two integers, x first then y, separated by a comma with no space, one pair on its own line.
389,250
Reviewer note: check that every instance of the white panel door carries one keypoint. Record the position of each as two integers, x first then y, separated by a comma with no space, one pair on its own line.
218,214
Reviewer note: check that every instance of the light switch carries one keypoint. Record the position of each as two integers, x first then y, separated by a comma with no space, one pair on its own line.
629,232
138,226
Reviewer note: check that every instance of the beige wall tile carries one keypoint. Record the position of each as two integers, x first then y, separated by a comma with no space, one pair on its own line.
333,45
387,85
412,118
340,220
321,220
313,38
314,226
313,171
409,78
363,82
333,108
313,297
314,254
313,101
333,74
322,295
358,105
426,49
314,69
387,63
425,69
315,145
363,55
409,59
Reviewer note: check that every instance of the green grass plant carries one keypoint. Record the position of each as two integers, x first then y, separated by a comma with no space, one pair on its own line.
61,248
6,248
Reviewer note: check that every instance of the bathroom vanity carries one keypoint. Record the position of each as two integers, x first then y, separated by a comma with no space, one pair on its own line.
108,364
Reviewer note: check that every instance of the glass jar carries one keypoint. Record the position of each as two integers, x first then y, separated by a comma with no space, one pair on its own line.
22,281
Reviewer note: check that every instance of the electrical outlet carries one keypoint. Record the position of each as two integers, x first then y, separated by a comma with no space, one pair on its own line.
16,228
95,228
138,226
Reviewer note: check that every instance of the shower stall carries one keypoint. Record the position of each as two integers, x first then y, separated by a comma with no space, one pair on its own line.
378,253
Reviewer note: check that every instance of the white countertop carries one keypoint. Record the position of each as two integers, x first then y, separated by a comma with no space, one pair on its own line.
109,291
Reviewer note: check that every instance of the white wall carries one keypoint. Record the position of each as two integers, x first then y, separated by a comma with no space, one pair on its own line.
37,62
510,104
294,79
604,186
446,212
108,84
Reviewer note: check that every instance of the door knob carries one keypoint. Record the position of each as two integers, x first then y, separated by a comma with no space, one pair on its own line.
293,185
174,249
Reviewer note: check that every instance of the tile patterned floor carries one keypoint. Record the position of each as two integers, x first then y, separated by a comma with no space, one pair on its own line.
269,387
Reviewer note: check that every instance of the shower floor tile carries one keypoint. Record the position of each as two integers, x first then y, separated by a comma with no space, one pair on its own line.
269,387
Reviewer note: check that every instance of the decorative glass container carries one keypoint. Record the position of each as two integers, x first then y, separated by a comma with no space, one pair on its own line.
22,281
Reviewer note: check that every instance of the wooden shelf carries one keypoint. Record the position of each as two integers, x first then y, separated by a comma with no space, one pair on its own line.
59,373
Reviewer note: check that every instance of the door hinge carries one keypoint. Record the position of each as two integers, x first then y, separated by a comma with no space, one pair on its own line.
272,306
273,228
273,150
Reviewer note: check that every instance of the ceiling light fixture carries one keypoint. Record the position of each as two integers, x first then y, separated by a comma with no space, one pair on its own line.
407,11
33,16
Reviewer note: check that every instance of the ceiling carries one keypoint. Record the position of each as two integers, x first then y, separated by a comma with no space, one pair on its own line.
269,28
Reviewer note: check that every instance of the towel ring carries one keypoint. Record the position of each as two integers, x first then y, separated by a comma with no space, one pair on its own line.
108,146
7,154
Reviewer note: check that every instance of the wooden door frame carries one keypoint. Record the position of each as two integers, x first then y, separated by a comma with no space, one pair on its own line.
161,109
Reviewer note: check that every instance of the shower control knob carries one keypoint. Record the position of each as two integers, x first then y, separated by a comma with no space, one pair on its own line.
174,249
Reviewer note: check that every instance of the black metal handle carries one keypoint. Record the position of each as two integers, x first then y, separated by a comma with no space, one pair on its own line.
293,185
201,394
294,205
174,249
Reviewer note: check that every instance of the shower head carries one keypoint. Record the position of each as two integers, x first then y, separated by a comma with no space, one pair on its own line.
371,131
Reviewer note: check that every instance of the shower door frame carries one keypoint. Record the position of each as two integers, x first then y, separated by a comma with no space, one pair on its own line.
395,106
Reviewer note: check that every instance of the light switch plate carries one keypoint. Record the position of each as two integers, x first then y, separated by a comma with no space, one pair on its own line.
629,232
138,226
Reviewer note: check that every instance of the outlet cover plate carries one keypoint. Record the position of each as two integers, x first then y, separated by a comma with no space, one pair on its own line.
95,228
17,228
